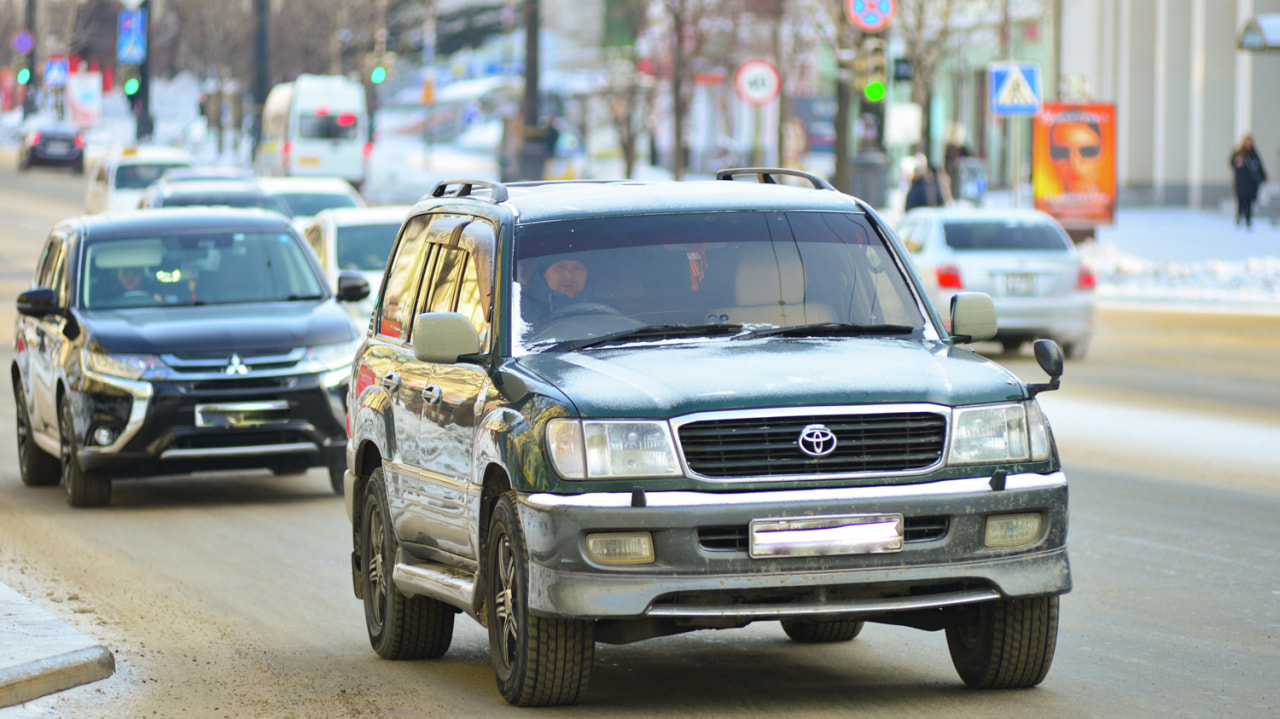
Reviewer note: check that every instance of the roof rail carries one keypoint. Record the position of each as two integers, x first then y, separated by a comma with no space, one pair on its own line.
765,175
497,190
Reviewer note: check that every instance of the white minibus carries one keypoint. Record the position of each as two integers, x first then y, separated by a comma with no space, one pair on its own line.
316,125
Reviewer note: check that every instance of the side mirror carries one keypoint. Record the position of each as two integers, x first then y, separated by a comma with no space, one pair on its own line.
973,317
352,287
444,337
1049,357
37,302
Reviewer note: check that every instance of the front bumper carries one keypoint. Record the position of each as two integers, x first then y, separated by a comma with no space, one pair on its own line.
154,428
703,571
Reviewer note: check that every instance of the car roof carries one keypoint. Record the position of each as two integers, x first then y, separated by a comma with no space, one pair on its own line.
170,220
578,199
364,215
146,154
219,186
306,184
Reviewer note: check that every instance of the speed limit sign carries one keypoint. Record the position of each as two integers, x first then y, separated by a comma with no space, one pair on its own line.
757,82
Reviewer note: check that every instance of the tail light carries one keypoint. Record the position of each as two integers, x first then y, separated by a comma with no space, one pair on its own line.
1085,279
949,277
286,150
35,137
368,150
79,142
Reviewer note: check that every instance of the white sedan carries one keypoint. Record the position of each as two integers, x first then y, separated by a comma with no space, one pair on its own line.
355,239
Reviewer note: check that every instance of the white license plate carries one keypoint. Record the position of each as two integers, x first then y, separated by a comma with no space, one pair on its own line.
826,536
57,148
1020,283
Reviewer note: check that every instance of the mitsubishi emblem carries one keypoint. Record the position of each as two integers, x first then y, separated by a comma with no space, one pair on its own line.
235,366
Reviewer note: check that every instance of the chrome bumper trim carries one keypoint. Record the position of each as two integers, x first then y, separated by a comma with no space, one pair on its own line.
140,392
856,606
291,448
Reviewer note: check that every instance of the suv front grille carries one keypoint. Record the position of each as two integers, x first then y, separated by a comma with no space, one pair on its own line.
767,447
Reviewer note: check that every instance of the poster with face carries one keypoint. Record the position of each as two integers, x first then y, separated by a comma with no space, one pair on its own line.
1073,171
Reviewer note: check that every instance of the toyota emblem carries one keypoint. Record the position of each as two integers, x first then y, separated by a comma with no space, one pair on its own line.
817,441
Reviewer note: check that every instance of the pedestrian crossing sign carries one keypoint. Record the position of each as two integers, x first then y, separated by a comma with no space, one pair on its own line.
1015,88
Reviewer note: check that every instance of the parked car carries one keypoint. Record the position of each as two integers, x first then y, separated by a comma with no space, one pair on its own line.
355,239
118,179
209,193
177,341
610,411
1023,259
308,196
52,143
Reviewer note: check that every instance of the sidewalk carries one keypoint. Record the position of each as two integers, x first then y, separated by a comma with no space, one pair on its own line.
40,654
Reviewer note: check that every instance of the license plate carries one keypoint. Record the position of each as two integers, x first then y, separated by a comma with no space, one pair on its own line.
826,536
234,415
1020,283
57,148
309,161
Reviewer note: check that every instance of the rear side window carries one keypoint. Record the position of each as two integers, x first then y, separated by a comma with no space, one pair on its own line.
996,235
328,127
139,176
395,314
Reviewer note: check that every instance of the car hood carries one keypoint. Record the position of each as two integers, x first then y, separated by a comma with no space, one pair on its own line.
676,379
218,328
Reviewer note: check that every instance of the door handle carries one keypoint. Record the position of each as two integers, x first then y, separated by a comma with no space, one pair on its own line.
432,394
391,381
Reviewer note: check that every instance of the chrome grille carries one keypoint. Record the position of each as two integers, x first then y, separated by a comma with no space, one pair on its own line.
767,446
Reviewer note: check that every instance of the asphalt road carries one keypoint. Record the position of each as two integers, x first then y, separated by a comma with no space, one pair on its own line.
230,595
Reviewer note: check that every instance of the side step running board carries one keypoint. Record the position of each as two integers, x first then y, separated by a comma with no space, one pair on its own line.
451,586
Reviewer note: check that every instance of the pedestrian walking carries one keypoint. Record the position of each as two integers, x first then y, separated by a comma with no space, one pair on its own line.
923,191
1249,176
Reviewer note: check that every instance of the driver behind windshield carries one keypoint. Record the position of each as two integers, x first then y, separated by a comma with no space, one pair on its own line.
557,282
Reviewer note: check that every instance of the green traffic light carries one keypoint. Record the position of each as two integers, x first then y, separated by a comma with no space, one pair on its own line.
24,76
378,75
131,86
874,91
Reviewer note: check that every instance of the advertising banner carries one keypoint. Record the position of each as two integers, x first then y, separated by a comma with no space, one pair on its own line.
84,98
1073,155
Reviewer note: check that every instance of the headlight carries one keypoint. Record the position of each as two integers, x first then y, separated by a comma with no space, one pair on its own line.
121,365
999,433
326,358
600,449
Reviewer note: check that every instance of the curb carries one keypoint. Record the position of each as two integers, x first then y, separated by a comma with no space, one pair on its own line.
41,654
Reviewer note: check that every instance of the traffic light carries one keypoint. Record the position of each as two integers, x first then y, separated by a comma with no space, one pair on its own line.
378,75
24,76
131,86
875,74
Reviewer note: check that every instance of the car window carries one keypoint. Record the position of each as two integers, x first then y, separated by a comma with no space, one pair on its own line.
328,127
1004,235
395,311
315,238
912,236
756,268
309,204
473,302
138,176
365,247
202,268
49,259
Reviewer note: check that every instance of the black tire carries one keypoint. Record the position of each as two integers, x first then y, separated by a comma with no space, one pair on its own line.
810,631
38,467
538,661
84,489
1011,347
1074,350
336,470
1007,644
77,168
290,469
400,627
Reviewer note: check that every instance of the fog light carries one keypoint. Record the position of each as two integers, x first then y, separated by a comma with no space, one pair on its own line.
620,547
1013,530
104,436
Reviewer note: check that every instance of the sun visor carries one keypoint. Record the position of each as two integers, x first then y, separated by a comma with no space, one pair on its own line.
132,253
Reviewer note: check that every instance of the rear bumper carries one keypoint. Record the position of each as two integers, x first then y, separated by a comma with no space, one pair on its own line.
694,578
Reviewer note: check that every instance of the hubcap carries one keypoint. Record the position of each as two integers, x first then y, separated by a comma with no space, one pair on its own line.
377,574
24,429
504,602
66,448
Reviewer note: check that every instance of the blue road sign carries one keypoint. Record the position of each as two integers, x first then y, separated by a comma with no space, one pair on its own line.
23,42
55,72
1015,88
131,37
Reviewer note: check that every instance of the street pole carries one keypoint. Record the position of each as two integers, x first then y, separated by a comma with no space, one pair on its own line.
145,126
532,150
29,99
262,59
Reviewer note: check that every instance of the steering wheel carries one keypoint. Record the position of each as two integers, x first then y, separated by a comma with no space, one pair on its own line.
578,309
591,318
137,295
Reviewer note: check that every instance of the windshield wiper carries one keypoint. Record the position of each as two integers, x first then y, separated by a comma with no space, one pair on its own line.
819,329
651,332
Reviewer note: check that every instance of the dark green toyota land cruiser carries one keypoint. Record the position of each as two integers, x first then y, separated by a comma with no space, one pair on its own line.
607,411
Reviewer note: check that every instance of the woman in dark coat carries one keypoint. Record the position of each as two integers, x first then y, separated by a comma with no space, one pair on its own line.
1249,176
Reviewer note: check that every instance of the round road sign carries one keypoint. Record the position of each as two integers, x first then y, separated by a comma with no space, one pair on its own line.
870,15
23,42
757,82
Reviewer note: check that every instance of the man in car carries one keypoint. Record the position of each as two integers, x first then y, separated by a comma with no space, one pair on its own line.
554,284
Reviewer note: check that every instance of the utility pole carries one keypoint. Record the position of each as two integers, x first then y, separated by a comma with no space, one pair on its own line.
145,124
29,99
262,60
533,152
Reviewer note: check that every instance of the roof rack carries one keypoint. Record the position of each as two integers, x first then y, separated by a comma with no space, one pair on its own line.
497,190
765,175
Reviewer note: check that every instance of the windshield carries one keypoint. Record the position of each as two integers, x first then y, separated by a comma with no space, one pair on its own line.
366,247
139,176
328,127
258,201
1004,235
309,204
197,269
589,278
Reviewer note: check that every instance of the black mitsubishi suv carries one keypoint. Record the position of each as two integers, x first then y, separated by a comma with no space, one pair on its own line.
607,411
173,341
